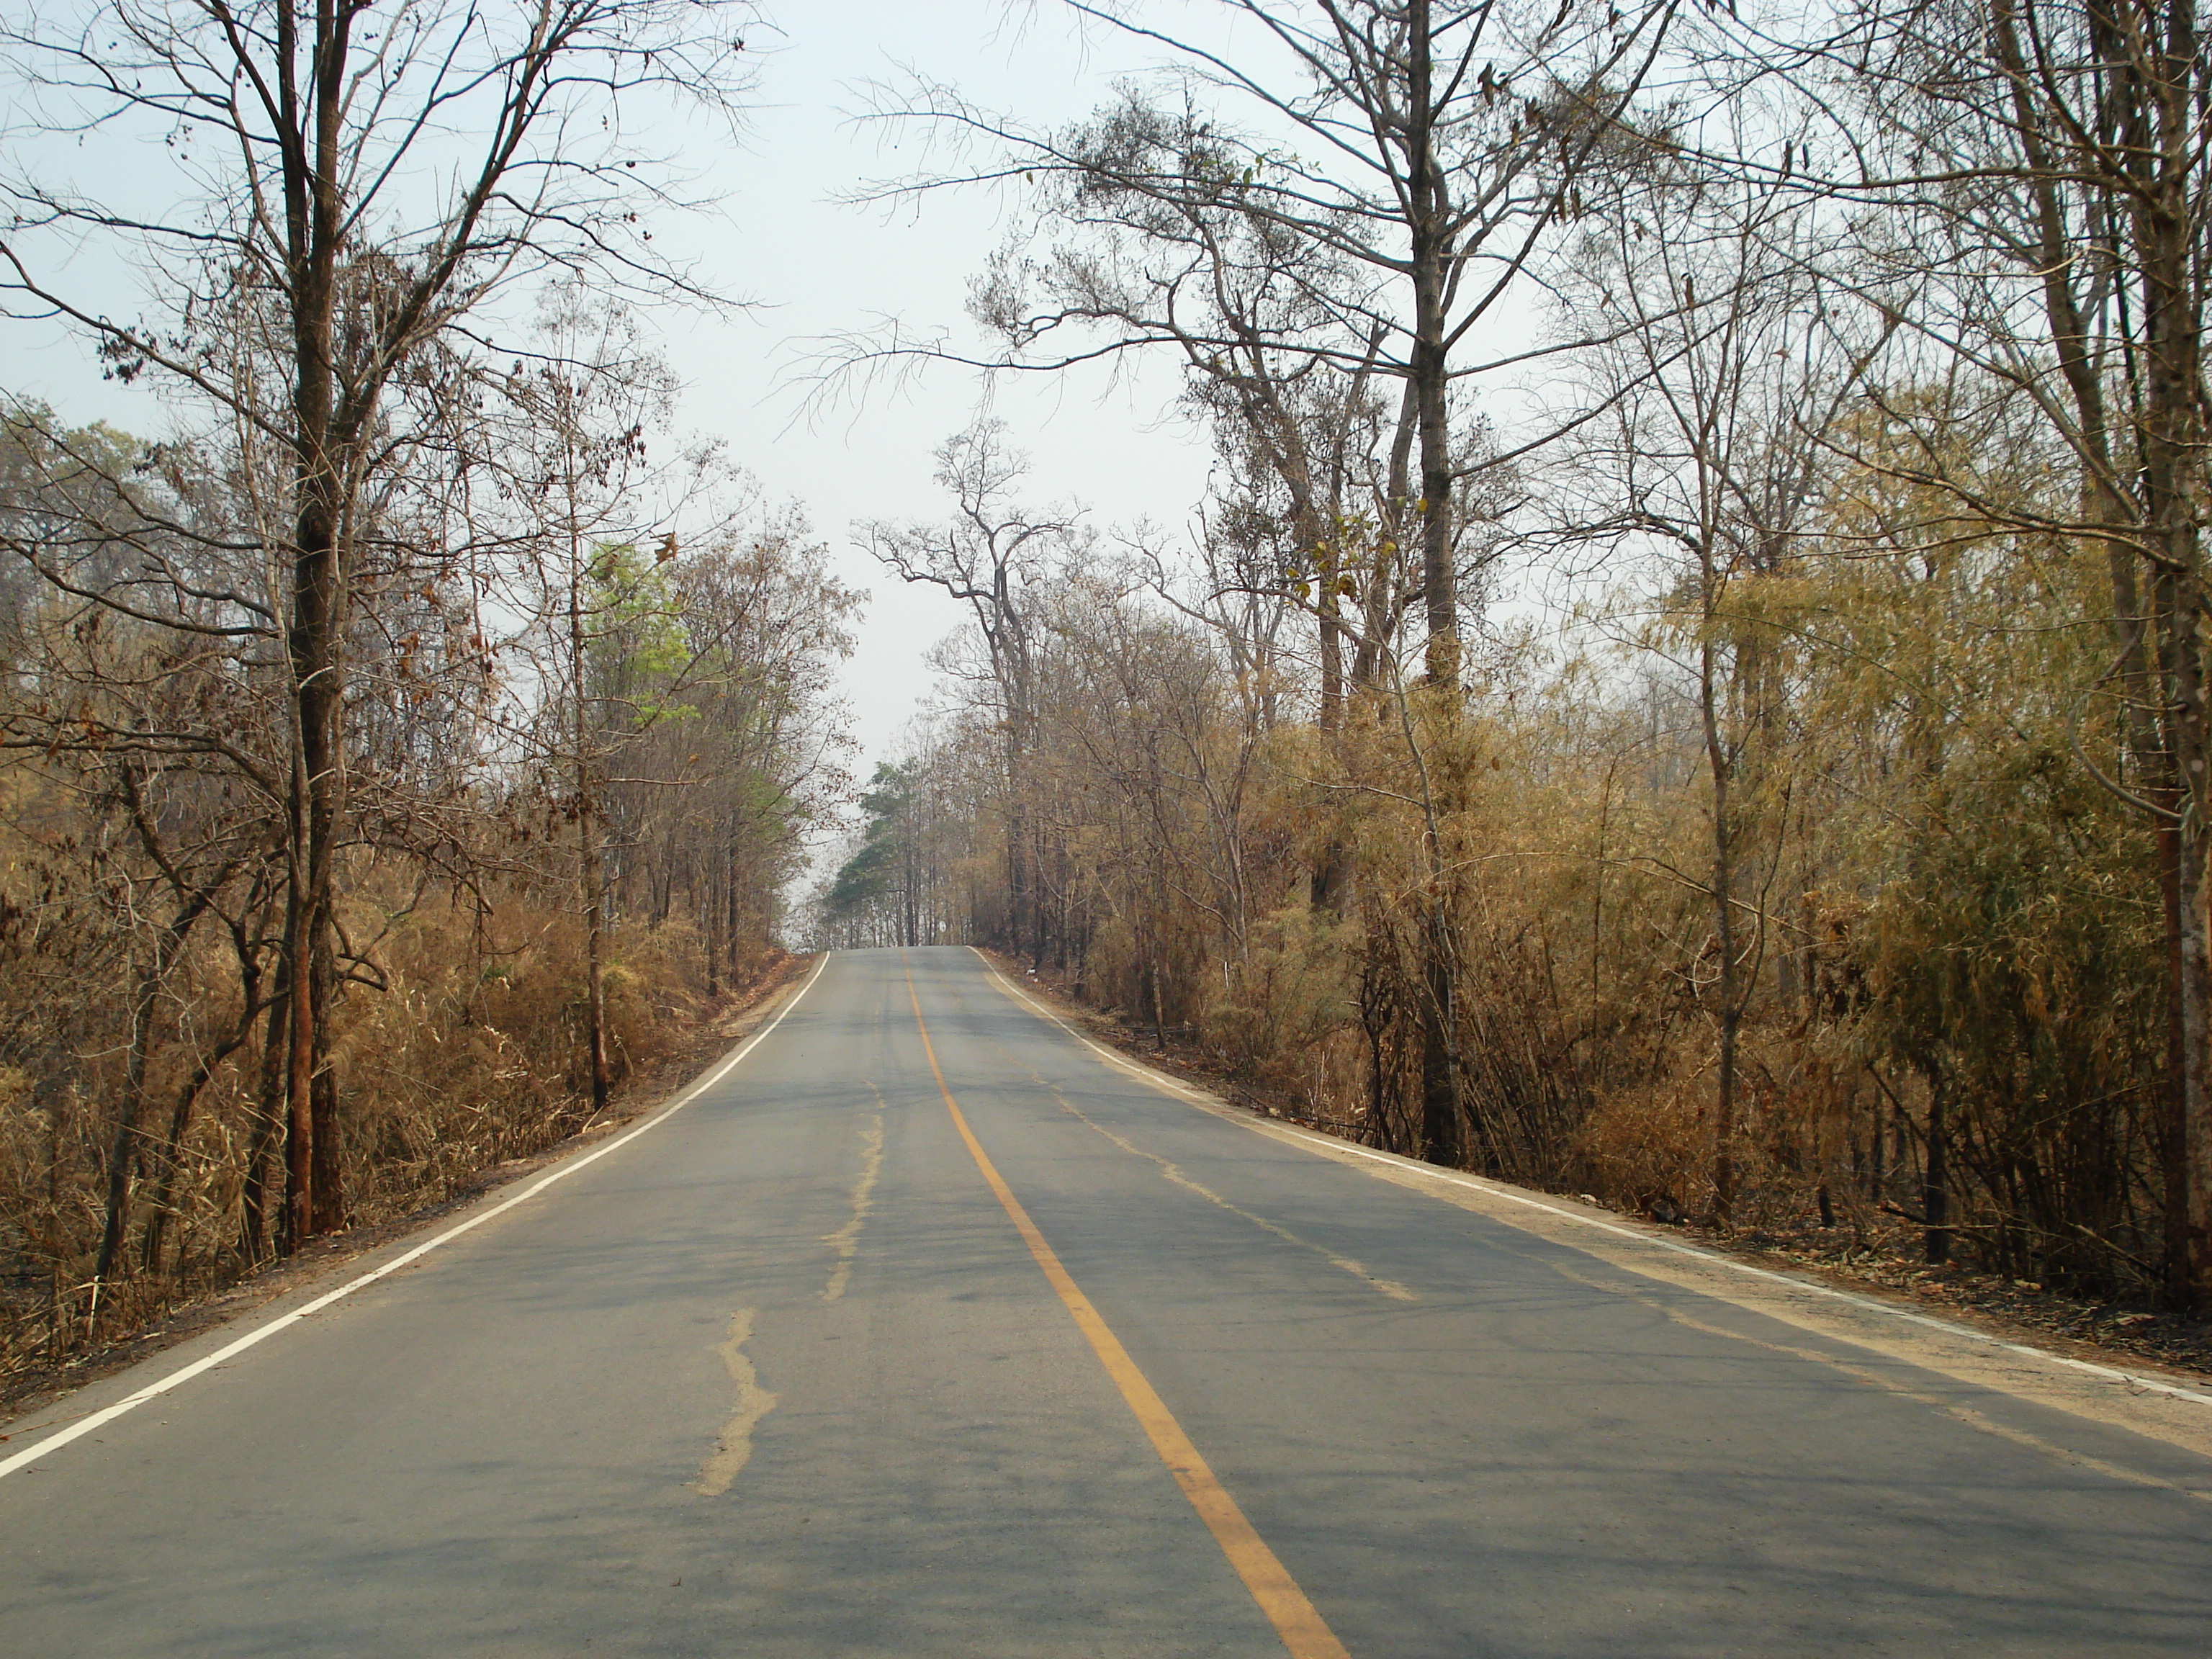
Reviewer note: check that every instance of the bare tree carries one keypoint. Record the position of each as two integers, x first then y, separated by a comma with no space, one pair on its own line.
329,228
1400,164
1723,380
987,556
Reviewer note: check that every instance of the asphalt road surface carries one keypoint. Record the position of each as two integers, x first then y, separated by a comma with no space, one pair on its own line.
838,1358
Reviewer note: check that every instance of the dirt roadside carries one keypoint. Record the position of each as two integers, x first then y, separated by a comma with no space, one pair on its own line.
1875,1261
36,1388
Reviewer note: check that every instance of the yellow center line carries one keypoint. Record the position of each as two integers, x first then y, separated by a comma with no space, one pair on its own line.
1296,1619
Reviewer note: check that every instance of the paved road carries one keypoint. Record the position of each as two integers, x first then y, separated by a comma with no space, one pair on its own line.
835,1361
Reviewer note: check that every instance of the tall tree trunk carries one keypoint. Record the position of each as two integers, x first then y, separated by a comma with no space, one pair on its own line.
2141,160
253,1197
1444,1128
1432,383
2173,446
325,421
122,1152
329,1151
1935,1181
1430,258
1330,602
180,1117
731,928
712,917
1442,1118
1720,765
590,865
2187,724
296,1224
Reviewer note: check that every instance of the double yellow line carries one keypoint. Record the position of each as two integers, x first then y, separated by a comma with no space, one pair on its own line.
1303,1631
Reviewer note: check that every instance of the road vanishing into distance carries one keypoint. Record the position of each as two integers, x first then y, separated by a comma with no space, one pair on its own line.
928,1329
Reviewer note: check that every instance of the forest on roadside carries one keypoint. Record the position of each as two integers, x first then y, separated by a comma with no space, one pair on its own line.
1688,683
413,738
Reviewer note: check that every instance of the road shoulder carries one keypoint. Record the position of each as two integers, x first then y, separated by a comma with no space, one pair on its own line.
2169,1406
38,1399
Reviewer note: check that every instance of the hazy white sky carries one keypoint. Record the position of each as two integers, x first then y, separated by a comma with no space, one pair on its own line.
818,268
814,267
786,238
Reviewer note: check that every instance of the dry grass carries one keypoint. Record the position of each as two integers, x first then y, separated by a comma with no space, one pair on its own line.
471,1056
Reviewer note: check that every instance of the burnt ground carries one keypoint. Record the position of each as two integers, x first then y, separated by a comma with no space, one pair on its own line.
720,1026
1876,1256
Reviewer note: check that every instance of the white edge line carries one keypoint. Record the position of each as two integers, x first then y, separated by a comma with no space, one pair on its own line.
1456,1178
184,1374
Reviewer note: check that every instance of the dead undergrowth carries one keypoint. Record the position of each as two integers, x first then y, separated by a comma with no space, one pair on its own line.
692,1036
1870,1252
